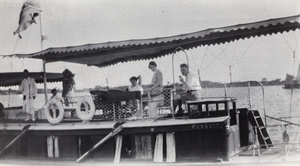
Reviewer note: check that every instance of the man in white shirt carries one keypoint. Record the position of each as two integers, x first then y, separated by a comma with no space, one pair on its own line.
191,88
29,91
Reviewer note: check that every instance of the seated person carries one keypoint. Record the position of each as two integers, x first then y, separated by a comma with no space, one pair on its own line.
54,98
191,89
136,85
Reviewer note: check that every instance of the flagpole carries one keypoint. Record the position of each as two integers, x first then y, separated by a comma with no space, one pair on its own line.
44,61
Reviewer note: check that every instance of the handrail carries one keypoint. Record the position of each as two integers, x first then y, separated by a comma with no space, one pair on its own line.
178,48
263,91
283,121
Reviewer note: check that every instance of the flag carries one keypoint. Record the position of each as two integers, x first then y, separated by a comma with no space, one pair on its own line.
29,11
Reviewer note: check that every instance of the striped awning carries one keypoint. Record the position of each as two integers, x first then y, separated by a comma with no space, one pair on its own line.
109,53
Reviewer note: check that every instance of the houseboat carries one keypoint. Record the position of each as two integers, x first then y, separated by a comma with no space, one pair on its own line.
101,126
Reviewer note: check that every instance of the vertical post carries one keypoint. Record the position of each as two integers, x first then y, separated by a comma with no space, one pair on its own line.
44,61
230,74
225,90
249,92
206,90
45,80
199,77
9,97
291,102
107,84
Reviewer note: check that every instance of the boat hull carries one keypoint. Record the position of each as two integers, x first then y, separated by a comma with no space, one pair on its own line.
195,139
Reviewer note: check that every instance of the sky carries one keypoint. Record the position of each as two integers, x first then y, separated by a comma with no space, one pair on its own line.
74,22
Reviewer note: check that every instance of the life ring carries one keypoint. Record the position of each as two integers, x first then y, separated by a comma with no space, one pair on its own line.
58,105
89,108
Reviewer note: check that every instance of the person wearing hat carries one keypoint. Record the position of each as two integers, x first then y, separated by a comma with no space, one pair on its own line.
29,91
136,84
68,85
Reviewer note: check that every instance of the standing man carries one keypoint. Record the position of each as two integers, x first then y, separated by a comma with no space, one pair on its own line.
29,91
191,88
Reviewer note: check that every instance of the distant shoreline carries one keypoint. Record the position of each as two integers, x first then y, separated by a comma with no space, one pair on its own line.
204,84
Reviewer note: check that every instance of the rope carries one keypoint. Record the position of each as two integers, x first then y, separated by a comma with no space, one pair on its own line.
109,68
204,57
291,99
234,53
97,74
59,30
215,58
167,66
226,57
115,71
297,41
246,50
287,43
144,69
193,59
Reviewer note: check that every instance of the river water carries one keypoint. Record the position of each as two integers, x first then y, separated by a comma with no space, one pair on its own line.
277,104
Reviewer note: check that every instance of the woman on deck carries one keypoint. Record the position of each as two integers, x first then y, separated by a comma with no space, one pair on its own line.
157,79
156,89
68,86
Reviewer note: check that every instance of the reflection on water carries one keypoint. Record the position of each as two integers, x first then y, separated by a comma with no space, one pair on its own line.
277,104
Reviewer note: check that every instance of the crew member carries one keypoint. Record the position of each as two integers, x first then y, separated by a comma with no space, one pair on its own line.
68,86
29,91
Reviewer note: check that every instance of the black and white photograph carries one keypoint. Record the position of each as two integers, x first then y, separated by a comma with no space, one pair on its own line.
150,82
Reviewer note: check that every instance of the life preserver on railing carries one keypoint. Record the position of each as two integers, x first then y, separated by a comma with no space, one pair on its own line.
56,104
85,108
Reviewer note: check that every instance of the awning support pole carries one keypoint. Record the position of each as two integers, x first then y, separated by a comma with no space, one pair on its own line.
45,80
44,61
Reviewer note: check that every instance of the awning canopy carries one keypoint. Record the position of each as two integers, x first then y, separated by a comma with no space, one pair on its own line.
15,78
105,54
